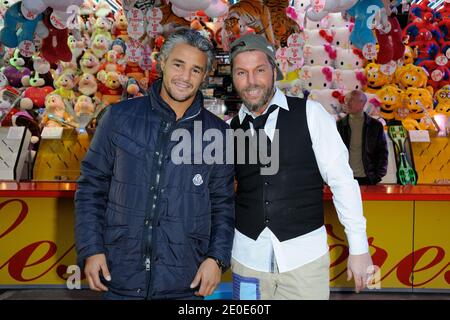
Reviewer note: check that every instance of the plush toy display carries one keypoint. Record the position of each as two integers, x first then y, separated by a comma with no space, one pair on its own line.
89,63
88,84
55,114
110,87
16,70
17,28
442,96
375,78
329,7
319,55
316,77
65,85
350,79
348,59
411,76
84,105
391,99
55,47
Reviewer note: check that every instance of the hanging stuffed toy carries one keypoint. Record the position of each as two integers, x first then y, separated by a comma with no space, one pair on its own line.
17,28
55,47
391,45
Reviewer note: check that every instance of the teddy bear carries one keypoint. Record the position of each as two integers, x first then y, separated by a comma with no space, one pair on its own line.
17,28
65,84
120,26
110,87
88,85
55,114
16,70
89,63
375,78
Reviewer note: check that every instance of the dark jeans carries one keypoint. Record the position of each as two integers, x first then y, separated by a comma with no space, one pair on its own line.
109,295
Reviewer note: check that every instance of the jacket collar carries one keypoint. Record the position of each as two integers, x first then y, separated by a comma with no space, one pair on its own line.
165,111
346,119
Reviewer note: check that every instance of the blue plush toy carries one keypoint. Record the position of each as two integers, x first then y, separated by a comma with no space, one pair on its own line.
17,28
364,12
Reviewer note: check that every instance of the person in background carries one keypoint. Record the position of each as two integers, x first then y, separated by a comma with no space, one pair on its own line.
365,140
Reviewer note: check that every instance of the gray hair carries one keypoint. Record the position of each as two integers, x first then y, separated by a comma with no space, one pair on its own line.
192,38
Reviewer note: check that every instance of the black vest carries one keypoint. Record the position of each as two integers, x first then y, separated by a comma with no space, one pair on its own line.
289,202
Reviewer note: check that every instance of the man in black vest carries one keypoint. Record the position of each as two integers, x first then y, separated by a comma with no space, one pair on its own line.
280,246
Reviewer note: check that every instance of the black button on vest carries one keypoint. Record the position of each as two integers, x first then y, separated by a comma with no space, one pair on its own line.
289,202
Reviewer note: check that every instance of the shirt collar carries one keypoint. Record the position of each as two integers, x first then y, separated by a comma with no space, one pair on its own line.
278,98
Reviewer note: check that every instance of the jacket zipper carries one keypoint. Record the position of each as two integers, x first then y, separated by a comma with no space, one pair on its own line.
149,253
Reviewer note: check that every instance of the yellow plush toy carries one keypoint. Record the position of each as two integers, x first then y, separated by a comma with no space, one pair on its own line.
420,105
375,78
443,100
390,97
412,76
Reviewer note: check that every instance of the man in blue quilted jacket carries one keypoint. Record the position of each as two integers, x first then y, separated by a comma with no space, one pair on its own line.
147,226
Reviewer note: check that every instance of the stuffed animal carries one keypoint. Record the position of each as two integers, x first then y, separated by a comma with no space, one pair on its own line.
17,70
364,13
120,26
65,85
249,13
375,78
390,43
411,76
420,104
319,55
317,37
55,47
442,96
87,85
350,79
100,45
341,37
391,98
89,63
110,87
439,75
316,77
347,59
55,114
102,26
17,28
112,62
329,7
132,90
84,105
331,99
8,96
133,70
60,7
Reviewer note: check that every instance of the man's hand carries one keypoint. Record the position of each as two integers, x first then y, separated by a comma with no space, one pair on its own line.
92,268
208,276
358,267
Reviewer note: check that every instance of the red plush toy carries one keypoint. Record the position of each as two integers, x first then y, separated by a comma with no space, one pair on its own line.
391,46
55,47
439,75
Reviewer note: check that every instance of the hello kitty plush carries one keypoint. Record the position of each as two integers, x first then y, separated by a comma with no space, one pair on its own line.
317,37
348,59
341,37
316,77
350,79
323,55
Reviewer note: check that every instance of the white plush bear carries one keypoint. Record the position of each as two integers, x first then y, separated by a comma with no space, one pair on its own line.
341,37
349,79
317,37
323,55
316,77
348,59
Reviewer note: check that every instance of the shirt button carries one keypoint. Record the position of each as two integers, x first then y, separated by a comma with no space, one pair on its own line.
266,183
267,203
147,222
138,290
267,221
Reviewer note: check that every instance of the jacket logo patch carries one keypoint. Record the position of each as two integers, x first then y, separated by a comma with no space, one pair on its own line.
197,180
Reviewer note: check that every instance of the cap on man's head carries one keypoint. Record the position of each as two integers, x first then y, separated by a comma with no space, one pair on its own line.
251,42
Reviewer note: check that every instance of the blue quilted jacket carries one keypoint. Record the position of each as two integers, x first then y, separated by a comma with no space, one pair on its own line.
156,221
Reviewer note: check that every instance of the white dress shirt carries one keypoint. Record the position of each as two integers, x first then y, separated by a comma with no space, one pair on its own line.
332,160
